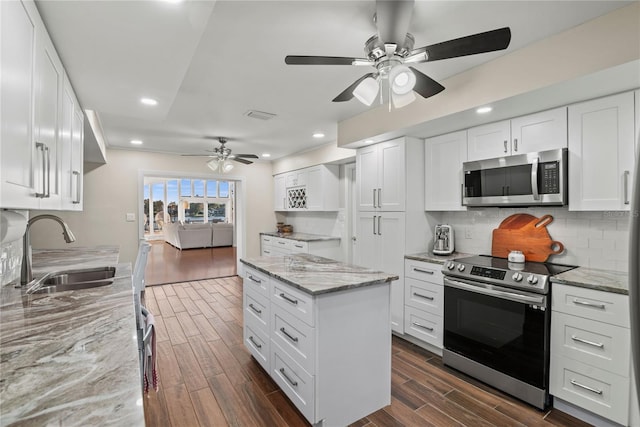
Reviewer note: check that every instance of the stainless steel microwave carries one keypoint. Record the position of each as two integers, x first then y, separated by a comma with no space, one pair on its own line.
531,179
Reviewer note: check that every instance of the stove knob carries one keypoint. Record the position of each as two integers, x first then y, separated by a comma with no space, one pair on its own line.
517,277
451,265
532,279
461,267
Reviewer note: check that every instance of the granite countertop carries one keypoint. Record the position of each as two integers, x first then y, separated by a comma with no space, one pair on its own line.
317,275
300,237
71,358
592,278
437,259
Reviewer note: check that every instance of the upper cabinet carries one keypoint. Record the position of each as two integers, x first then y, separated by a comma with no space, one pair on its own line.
279,193
546,130
381,176
601,153
443,158
310,189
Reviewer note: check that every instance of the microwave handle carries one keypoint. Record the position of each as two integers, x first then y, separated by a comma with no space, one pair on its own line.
534,179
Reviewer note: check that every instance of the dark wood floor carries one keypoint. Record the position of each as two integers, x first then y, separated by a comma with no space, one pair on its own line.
208,378
166,264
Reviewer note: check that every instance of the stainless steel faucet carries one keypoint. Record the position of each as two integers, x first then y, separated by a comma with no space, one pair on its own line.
26,275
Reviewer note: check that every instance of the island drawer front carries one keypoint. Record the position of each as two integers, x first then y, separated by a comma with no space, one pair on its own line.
257,307
257,342
282,244
424,271
594,343
593,389
424,296
296,338
256,280
296,383
424,326
299,247
294,301
592,304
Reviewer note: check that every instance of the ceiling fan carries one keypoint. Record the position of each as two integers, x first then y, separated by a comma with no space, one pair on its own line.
392,47
221,155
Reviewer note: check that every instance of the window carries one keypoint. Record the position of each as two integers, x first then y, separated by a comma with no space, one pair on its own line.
224,189
172,200
194,212
185,188
198,188
212,188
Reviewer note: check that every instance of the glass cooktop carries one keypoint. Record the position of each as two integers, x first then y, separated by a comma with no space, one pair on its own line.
541,268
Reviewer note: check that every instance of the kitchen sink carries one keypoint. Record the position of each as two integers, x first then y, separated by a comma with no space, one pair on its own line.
69,280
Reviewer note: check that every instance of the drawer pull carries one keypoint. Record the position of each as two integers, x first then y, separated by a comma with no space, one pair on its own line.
254,342
286,377
282,243
586,387
423,296
419,270
255,309
291,300
291,337
266,251
589,304
253,278
595,344
298,246
422,326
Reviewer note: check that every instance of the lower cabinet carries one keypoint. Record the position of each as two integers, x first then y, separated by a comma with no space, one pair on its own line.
279,246
590,351
424,301
322,350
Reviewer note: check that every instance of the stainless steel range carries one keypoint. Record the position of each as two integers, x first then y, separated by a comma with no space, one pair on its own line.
497,319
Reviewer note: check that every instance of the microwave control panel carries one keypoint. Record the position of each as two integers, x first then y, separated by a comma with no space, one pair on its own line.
550,178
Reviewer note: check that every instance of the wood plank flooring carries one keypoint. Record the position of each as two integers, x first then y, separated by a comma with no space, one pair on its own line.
208,378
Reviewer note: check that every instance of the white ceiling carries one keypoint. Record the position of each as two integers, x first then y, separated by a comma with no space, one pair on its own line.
209,62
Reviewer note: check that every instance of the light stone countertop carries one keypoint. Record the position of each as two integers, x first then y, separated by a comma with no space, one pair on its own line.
317,275
592,278
437,259
300,237
71,358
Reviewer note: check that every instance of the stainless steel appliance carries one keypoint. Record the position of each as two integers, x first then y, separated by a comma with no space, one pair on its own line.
443,240
522,180
634,277
497,318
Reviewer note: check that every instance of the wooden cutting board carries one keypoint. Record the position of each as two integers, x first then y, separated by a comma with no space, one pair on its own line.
525,233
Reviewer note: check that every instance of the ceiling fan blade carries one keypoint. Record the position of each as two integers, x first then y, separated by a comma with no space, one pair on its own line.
392,20
347,94
248,156
324,60
488,41
425,85
246,162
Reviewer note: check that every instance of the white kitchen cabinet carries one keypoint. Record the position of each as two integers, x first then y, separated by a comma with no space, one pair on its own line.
77,156
280,246
311,189
381,176
590,351
444,156
279,193
546,130
601,153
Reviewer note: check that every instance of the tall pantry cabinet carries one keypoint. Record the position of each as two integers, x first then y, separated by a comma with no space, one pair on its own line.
391,221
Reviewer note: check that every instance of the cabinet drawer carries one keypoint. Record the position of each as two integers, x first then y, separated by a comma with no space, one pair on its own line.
256,306
424,326
258,343
295,337
299,247
593,389
594,343
424,296
256,280
424,271
293,301
592,304
296,383
283,245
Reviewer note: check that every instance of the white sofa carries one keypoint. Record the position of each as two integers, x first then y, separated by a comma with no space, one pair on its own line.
198,235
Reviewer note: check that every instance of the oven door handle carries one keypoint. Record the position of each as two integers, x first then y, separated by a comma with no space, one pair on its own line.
485,290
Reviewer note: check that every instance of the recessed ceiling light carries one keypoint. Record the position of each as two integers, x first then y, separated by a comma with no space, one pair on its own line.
148,101
318,135
368,141
266,155
136,142
483,110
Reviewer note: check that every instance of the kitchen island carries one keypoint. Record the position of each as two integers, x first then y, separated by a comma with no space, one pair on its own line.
71,358
322,330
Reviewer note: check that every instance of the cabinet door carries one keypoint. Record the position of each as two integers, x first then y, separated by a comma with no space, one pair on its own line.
391,235
601,153
444,156
637,115
542,131
314,189
367,177
65,146
391,176
489,141
16,95
279,193
367,254
77,158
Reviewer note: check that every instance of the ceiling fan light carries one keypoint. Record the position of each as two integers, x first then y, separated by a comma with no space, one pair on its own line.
402,100
227,166
367,91
213,164
402,79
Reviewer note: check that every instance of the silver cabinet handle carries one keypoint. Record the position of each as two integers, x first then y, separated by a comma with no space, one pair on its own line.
286,377
282,243
589,304
423,296
515,144
505,145
374,198
266,251
253,278
586,387
419,270
48,173
626,187
374,224
379,197
595,344
534,179
490,290
42,147
254,342
422,326
298,246
76,174
288,335
255,309
379,225
286,298
266,240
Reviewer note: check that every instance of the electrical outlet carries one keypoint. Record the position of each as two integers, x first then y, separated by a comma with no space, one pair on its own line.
468,233
131,217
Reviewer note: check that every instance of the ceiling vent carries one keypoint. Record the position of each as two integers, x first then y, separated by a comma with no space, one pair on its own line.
261,115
